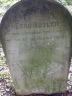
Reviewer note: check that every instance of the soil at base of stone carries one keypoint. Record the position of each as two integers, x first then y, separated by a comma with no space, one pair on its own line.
56,94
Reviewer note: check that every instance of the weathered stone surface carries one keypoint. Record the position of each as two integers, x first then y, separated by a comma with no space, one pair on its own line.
36,38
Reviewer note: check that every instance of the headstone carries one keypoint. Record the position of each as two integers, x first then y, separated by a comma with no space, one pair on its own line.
36,38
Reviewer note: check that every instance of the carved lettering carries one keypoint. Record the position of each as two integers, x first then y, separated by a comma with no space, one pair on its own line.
39,38
44,24
34,24
29,25
52,24
48,24
21,26
17,25
25,26
46,32
56,23
17,39
30,33
37,25
15,33
24,39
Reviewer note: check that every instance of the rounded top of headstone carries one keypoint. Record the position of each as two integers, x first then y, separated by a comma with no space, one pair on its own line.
33,4
26,7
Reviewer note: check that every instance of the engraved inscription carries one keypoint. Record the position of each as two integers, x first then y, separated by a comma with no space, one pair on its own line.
36,33
37,25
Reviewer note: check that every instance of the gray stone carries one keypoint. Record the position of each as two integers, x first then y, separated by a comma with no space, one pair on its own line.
36,38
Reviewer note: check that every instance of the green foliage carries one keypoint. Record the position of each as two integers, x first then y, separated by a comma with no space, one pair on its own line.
7,3
68,1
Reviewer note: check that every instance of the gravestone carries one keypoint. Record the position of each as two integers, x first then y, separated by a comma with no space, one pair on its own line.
36,38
